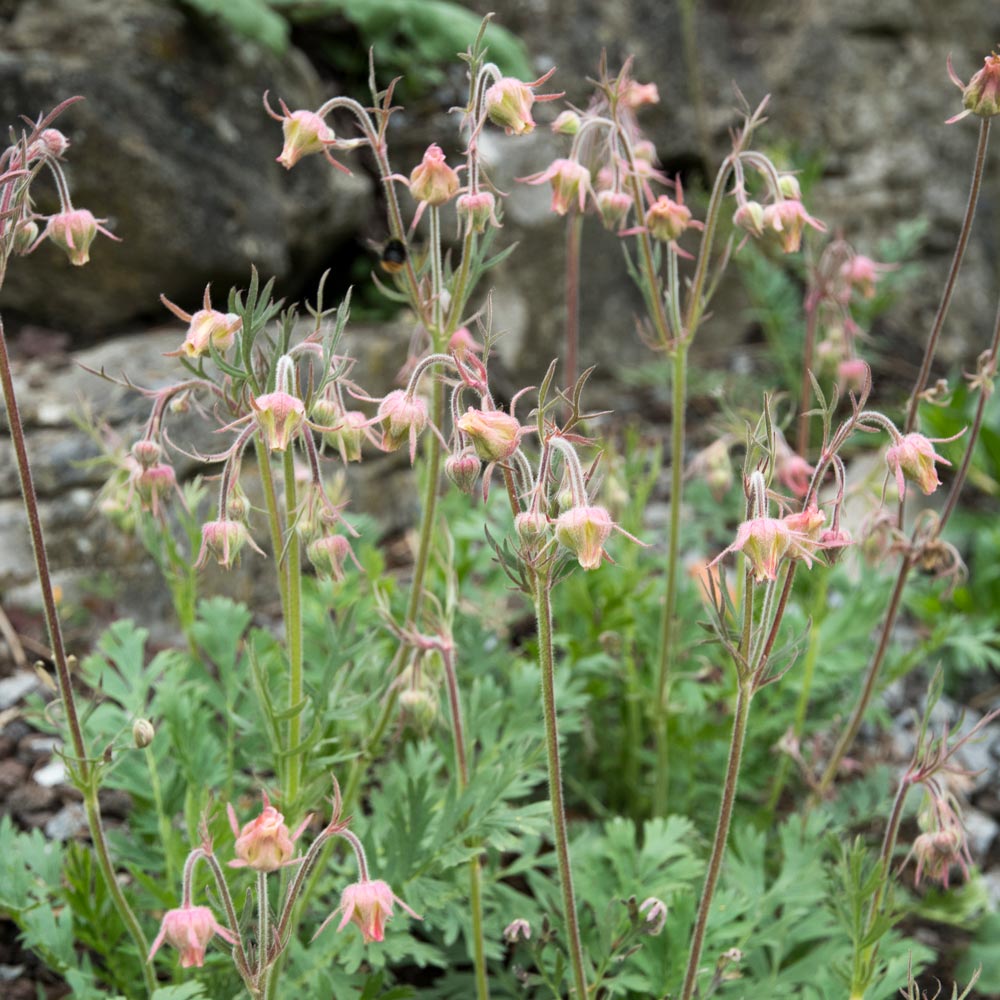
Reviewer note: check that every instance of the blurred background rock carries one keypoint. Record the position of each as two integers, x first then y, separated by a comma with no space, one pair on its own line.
173,147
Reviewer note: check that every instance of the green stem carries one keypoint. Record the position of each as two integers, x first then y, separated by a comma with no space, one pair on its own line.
273,517
293,632
677,430
744,695
541,587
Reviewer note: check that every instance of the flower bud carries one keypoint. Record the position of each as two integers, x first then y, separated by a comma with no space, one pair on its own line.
189,929
25,236
279,416
637,94
223,540
785,220
265,843
982,95
532,527
517,930
404,416
368,904
667,219
566,123
478,210
463,469
508,104
613,208
73,232
788,185
584,530
750,218
656,914
142,733
432,180
328,555
152,484
495,435
146,452
419,708
912,457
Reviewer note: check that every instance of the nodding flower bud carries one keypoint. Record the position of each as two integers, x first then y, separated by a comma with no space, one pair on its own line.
279,415
479,210
508,104
613,207
207,328
146,452
637,94
785,220
982,95
265,843
432,180
862,273
189,929
912,457
25,236
667,219
74,231
749,217
532,527
305,133
328,555
152,484
462,468
419,708
403,417
369,905
223,540
142,733
494,435
765,541
788,185
50,142
566,123
656,914
584,530
517,930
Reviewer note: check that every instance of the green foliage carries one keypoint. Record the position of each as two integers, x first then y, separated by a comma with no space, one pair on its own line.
254,19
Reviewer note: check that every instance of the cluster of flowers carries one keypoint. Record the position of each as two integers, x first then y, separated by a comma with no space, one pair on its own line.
266,845
71,229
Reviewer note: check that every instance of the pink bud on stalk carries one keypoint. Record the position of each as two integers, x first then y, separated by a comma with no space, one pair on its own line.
509,103
478,210
403,416
913,457
73,232
328,555
463,469
223,540
189,929
981,96
613,207
279,415
264,844
495,435
369,905
432,180
785,220
305,133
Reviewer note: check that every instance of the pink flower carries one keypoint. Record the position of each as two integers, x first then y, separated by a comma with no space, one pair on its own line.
785,219
189,929
668,220
279,415
863,273
637,94
264,843
852,374
749,217
509,102
305,133
432,180
517,930
223,539
613,207
462,468
403,416
794,471
494,435
479,210
765,541
982,94
937,850
570,183
328,555
583,530
912,457
207,328
74,231
369,905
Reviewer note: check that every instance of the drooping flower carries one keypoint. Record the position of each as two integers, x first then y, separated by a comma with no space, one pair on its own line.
785,219
668,219
223,539
305,133
765,541
479,209
495,435
432,181
981,96
517,930
264,844
73,231
279,415
913,457
509,102
368,904
404,416
189,929
570,183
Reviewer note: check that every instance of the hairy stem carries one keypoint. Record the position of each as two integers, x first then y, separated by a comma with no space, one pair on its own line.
293,630
542,584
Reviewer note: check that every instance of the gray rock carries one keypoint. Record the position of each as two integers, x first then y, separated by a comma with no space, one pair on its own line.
173,147
16,687
67,824
981,830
